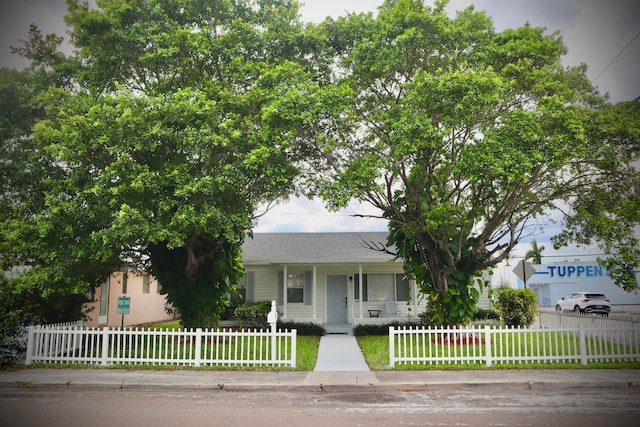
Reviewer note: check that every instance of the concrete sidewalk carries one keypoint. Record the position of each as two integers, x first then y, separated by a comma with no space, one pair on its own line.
340,366
340,353
109,378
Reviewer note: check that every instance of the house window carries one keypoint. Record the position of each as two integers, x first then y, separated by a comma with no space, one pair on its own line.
145,284
299,287
124,283
382,287
245,288
295,287
356,283
104,298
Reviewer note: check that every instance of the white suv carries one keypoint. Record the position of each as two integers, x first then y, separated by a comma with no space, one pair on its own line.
585,302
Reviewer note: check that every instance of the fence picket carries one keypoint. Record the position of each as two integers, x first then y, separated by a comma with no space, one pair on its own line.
489,345
61,344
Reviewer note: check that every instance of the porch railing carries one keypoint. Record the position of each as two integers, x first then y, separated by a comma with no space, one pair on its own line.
193,347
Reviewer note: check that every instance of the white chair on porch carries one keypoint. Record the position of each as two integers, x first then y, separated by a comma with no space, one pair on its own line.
390,309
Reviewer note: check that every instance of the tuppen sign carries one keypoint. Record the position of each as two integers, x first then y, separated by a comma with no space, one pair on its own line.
578,271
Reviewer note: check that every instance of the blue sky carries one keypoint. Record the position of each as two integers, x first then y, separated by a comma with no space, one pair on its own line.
595,31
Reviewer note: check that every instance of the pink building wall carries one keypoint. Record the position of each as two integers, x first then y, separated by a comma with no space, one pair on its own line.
147,305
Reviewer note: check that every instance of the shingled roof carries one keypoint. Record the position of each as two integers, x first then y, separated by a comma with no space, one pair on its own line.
314,248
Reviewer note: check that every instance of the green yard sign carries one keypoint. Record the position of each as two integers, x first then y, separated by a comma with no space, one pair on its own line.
124,304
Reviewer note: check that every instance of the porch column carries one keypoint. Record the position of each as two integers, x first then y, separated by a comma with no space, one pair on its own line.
414,296
285,280
314,298
360,287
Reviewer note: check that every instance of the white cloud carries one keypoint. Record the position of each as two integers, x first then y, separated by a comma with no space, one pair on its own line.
318,10
304,215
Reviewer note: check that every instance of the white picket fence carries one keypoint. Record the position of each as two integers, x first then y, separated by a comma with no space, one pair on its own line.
586,320
490,345
193,347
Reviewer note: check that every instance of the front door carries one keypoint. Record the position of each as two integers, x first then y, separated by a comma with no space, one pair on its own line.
336,298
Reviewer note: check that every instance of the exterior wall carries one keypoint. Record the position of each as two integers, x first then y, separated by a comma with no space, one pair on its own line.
149,307
554,281
145,307
267,280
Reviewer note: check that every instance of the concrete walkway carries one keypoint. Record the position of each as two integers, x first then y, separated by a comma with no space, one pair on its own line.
340,353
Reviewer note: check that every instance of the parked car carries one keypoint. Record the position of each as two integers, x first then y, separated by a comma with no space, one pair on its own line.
584,302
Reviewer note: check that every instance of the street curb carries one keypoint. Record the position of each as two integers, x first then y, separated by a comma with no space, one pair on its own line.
327,388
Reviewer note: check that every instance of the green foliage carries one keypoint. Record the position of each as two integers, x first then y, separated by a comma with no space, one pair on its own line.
517,307
462,136
23,304
485,314
457,306
302,328
253,314
159,152
535,253
157,144
379,329
16,316
609,215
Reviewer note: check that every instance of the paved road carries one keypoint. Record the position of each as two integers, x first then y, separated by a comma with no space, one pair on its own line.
410,407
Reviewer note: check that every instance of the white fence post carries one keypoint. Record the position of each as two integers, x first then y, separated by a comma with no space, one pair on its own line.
487,343
198,351
30,340
583,345
294,334
392,352
105,346
272,319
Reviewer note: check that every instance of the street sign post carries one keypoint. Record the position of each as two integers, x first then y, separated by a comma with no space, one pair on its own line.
124,306
524,271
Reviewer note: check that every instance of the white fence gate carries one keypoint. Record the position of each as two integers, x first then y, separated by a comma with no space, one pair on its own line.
195,347
489,345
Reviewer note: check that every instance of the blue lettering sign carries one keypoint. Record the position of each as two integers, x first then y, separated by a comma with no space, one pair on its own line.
575,270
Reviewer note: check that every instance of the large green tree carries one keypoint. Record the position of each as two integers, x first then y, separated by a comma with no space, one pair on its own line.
462,136
55,286
161,148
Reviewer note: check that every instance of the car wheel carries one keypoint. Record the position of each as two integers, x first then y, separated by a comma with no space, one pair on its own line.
576,309
558,308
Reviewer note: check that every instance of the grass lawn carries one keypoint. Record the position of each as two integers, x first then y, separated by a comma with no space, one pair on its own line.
375,349
306,351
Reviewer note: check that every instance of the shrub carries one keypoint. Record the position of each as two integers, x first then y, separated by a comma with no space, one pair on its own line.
486,314
433,314
17,314
13,340
517,307
379,329
253,314
303,328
